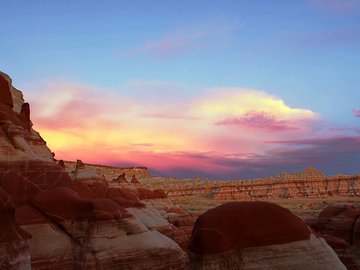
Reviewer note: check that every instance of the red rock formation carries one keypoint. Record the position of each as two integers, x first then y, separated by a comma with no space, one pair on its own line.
74,223
340,246
337,223
147,194
107,209
5,94
221,232
18,141
61,164
256,235
134,180
61,204
24,179
120,179
337,220
124,197
79,165
14,252
111,172
49,244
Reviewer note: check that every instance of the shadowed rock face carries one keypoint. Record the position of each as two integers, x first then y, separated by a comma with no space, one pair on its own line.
257,235
5,93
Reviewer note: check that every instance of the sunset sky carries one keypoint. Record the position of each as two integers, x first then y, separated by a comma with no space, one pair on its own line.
222,89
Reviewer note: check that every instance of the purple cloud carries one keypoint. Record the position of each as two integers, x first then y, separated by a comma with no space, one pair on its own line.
257,120
330,155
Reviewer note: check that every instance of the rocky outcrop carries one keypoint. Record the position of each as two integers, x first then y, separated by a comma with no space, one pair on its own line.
257,235
134,180
51,219
338,224
18,141
121,179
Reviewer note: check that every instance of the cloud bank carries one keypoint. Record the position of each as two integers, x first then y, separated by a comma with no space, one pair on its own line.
222,133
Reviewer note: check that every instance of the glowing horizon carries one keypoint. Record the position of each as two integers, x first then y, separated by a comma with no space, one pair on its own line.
222,133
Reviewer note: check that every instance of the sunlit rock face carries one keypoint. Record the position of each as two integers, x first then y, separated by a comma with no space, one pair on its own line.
18,141
257,235
50,219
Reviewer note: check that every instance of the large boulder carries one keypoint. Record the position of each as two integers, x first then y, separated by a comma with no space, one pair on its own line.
257,235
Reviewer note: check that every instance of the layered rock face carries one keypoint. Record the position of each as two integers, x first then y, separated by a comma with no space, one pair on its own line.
339,225
257,235
51,219
308,183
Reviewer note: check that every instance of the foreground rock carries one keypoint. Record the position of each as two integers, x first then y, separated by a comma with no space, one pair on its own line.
257,235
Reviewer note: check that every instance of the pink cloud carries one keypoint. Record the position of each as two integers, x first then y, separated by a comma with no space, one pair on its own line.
84,122
180,42
258,120
170,116
356,112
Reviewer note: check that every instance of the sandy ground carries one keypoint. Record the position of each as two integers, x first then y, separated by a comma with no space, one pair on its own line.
303,208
